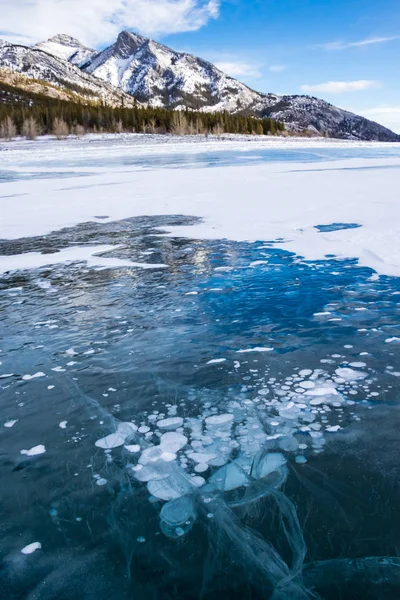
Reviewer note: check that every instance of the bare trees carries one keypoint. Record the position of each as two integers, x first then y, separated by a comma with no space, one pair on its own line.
179,123
7,129
151,127
30,129
78,130
119,126
60,128
217,130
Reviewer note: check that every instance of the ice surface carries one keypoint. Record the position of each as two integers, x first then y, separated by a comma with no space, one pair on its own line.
243,427
37,207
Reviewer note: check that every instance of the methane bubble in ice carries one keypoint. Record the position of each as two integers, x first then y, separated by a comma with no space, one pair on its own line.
177,517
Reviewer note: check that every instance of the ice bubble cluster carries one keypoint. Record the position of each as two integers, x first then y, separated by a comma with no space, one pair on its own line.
242,444
114,440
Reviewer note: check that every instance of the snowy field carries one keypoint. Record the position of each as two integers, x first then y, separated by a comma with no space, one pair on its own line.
199,368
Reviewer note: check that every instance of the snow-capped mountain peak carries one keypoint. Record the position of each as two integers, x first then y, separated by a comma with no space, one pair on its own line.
44,65
160,76
68,48
128,43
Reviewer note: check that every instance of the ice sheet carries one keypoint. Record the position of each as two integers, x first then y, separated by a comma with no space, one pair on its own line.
266,202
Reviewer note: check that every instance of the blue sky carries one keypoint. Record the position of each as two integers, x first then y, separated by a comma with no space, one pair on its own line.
345,51
284,45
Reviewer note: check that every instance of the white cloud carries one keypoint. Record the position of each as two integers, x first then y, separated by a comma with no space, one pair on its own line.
98,22
277,68
238,68
340,87
365,42
389,116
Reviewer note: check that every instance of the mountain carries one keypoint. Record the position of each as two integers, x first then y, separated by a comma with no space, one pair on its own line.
38,66
67,48
161,77
306,112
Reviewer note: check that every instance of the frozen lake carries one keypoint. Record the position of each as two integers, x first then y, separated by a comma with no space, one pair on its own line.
155,152
199,370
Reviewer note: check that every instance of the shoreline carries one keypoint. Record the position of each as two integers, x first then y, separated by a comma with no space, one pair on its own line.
171,140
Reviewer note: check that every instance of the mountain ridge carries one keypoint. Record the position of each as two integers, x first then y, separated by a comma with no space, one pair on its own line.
67,48
36,64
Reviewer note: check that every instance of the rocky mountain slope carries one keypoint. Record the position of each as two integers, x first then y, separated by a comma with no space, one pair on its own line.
305,112
67,48
161,77
37,65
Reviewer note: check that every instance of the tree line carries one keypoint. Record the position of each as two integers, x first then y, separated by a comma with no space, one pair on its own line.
28,114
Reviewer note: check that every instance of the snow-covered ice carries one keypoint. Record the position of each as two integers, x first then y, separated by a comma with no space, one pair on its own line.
31,548
28,377
256,349
35,451
243,203
215,361
92,255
